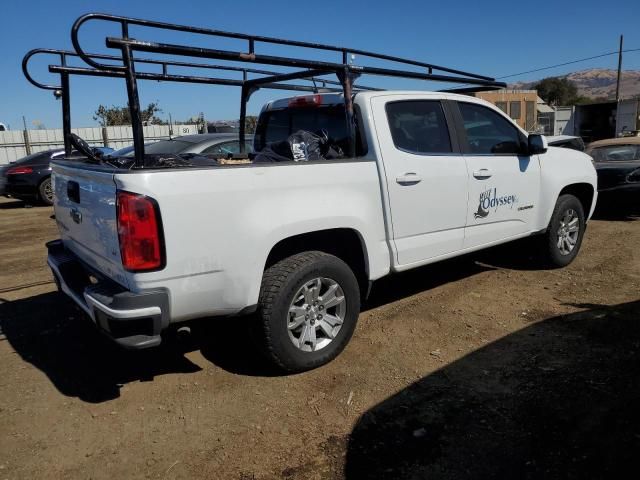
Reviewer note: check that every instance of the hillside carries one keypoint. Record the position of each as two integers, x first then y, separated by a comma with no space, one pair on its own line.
599,83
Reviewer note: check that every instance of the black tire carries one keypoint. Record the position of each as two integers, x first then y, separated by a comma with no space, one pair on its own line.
553,254
280,284
45,193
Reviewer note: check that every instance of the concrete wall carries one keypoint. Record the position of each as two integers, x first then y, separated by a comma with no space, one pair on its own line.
13,145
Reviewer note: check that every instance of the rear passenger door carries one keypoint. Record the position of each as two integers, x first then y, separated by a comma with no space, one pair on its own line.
426,176
504,181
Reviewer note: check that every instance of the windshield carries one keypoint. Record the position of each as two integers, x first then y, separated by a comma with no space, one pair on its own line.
616,153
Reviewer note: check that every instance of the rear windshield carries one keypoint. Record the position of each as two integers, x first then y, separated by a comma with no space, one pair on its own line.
616,153
277,125
34,158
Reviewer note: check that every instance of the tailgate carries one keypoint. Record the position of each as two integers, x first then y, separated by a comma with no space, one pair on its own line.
85,211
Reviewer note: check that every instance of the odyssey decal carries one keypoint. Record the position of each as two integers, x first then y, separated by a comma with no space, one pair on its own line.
489,200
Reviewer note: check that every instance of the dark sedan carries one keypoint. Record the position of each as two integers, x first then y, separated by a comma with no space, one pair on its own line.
617,162
29,178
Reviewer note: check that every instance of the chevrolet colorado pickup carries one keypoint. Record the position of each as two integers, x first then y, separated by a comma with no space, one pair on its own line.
298,243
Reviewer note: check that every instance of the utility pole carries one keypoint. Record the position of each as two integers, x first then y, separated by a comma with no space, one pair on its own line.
619,70
25,135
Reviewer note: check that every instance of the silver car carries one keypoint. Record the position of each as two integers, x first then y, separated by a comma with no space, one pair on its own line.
206,143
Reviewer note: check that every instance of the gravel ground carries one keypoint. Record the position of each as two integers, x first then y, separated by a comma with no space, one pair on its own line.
479,367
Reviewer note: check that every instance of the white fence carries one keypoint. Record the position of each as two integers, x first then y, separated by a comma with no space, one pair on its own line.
16,144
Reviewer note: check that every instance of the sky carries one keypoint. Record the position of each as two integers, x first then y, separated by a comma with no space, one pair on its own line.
492,38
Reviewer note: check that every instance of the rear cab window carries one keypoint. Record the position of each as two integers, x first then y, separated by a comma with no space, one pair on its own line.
277,125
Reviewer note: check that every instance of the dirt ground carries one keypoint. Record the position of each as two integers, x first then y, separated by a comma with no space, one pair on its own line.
480,367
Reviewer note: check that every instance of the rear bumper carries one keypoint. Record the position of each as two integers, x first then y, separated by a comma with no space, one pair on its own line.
133,320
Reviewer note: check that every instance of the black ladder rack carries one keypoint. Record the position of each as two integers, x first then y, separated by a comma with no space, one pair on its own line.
306,69
62,90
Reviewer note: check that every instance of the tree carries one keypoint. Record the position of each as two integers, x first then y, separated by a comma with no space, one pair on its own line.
558,91
250,123
109,116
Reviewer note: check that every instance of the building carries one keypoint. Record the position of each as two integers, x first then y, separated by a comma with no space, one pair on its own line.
593,121
628,117
520,105
596,121
556,120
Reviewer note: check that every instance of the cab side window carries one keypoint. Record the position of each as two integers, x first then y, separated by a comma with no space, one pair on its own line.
489,133
419,126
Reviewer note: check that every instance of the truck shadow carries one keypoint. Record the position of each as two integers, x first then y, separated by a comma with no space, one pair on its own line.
517,255
224,342
11,204
400,285
49,332
558,399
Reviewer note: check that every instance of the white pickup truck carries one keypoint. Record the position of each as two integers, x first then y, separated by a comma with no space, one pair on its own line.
298,243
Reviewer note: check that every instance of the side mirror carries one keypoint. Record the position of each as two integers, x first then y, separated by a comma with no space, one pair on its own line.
537,144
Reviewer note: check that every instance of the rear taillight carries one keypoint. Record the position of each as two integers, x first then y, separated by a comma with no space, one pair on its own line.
19,170
141,245
306,101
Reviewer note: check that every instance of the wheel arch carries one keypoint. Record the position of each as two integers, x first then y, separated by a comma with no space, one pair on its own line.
345,243
583,192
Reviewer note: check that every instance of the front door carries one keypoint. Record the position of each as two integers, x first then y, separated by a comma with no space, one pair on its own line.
504,182
426,177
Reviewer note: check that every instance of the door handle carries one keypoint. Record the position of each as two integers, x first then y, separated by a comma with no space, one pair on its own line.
408,178
482,173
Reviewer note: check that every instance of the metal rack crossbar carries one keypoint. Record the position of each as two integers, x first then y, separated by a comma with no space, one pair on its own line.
62,90
307,69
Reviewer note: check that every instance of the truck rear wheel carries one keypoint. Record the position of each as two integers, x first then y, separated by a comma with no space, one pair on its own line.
308,307
563,238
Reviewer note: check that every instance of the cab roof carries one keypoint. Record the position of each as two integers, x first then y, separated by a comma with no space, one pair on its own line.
338,98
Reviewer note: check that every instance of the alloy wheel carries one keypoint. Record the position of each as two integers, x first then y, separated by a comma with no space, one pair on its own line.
316,314
568,231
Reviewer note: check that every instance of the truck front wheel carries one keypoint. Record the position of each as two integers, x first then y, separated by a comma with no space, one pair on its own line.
563,238
308,307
